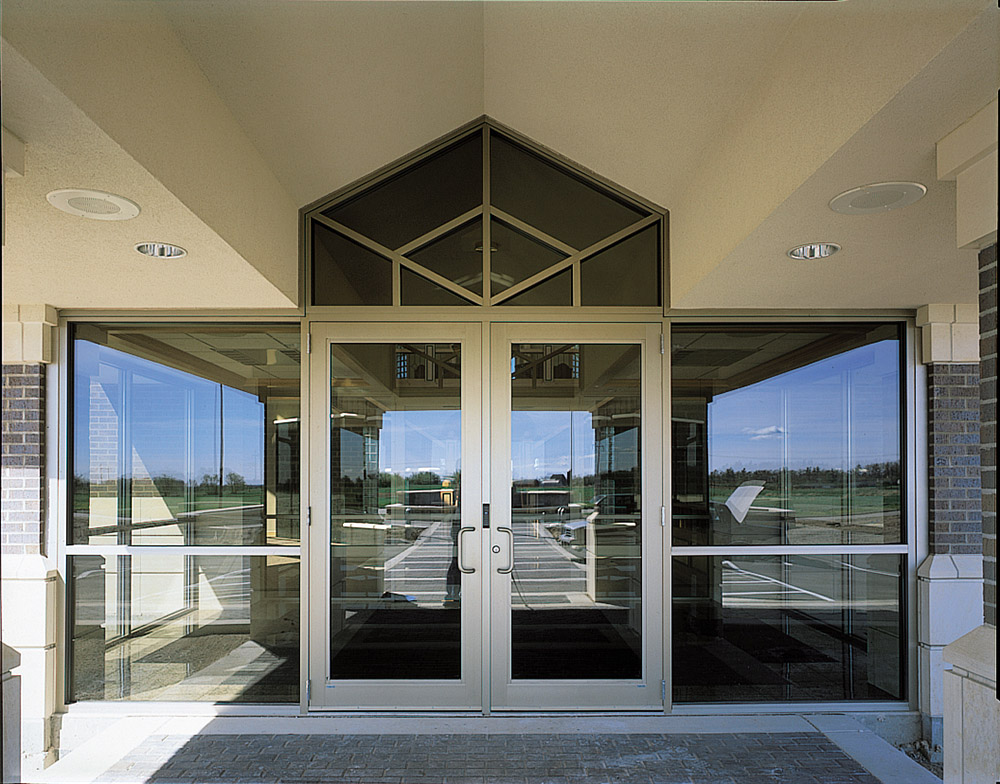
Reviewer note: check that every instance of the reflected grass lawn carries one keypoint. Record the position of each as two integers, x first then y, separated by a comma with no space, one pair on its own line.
809,502
180,504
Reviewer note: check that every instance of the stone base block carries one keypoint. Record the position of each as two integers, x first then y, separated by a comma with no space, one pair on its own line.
949,604
972,712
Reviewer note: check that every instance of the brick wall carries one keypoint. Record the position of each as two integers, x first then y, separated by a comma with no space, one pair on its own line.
954,505
22,526
988,401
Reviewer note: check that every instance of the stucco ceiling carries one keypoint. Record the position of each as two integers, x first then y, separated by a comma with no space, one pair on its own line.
55,258
223,117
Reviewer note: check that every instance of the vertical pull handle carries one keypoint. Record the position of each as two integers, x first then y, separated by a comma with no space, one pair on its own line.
510,550
461,565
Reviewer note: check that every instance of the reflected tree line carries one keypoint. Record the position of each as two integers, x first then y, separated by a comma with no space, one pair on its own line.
870,475
208,486
811,492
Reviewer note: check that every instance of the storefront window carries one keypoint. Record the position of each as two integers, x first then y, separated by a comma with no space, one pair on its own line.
787,437
787,627
184,437
177,627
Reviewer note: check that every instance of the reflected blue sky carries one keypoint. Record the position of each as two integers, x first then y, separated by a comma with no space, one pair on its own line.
544,443
836,413
414,441
175,418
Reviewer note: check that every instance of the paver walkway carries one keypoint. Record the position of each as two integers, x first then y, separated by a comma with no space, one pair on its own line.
448,749
737,758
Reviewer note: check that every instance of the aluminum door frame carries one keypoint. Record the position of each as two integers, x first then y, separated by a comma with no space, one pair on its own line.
324,693
646,692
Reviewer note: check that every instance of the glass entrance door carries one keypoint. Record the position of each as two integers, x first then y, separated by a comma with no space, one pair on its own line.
538,588
395,538
575,554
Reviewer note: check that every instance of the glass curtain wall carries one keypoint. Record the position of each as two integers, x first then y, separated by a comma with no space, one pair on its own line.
183,539
786,438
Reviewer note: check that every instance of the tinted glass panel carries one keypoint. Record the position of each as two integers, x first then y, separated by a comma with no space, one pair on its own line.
625,274
557,290
185,435
458,256
576,587
516,256
417,290
421,198
787,627
552,199
185,627
395,493
786,435
345,273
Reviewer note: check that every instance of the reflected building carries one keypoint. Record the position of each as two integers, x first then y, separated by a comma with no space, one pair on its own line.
185,438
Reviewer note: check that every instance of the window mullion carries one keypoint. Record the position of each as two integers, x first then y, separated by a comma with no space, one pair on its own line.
487,255
440,280
574,259
444,228
532,231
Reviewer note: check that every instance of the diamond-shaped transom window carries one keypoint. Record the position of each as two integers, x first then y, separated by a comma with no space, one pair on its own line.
485,218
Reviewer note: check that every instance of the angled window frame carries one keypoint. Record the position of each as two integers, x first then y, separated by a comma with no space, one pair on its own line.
486,212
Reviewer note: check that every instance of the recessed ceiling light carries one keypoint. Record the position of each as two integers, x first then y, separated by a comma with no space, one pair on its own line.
161,250
96,205
877,197
813,250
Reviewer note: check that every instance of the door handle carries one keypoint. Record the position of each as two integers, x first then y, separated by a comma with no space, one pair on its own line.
510,550
461,567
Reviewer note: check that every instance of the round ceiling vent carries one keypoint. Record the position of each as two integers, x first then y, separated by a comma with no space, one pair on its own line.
877,197
96,205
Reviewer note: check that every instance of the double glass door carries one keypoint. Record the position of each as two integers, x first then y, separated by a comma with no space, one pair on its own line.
486,507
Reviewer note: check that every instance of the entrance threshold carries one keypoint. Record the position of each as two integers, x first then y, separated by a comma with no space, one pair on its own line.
214,749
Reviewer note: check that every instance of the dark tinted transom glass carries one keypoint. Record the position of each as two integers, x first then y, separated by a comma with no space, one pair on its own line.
485,219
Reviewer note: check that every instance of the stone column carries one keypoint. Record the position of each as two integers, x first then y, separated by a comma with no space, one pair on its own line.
29,584
968,155
949,581
11,686
972,712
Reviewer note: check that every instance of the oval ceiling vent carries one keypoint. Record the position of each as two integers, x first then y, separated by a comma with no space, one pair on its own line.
96,205
877,197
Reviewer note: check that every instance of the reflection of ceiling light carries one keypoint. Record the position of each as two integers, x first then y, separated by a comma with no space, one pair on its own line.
497,278
161,250
494,247
287,421
814,250
877,197
96,205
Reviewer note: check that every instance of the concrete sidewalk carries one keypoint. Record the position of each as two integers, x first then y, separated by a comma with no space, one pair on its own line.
806,749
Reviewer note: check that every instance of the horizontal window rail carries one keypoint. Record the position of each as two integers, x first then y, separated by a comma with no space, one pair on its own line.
178,549
803,549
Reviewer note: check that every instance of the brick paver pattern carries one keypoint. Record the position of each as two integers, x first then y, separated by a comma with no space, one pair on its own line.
749,758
